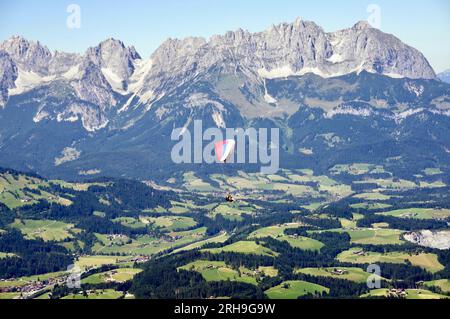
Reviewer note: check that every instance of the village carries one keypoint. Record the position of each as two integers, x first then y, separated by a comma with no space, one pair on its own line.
32,288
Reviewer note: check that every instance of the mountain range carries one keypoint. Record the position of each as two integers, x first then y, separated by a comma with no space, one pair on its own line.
444,76
357,94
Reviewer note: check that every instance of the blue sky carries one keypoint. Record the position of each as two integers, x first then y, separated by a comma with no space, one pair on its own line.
424,24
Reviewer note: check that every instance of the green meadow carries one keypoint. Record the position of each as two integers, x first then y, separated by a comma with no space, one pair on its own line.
419,213
223,237
219,271
442,284
93,261
277,232
427,261
244,247
374,236
97,294
116,275
293,289
410,294
149,245
45,229
169,223
15,191
349,273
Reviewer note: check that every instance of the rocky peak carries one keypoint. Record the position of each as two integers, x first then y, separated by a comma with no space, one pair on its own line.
31,56
8,74
361,25
92,86
113,56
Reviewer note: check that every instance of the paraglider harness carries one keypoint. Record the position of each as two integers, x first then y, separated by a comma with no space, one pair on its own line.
228,198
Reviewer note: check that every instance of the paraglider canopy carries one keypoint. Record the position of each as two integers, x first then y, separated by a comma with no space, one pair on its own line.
224,150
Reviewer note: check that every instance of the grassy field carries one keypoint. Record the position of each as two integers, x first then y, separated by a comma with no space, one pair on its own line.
432,171
6,255
294,289
435,184
291,182
116,275
389,183
370,206
170,223
97,261
45,229
22,281
187,206
130,222
9,295
232,211
427,261
77,186
443,284
98,294
244,247
375,196
325,184
347,223
277,232
148,245
349,273
14,191
195,184
109,241
312,206
217,239
219,271
356,169
268,271
419,213
372,236
411,294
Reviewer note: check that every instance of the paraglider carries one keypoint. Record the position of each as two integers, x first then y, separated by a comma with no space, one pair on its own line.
229,198
224,151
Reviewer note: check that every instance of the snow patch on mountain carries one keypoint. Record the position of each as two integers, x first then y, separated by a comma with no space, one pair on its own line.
348,110
405,114
267,97
336,58
415,89
27,80
440,112
199,100
218,119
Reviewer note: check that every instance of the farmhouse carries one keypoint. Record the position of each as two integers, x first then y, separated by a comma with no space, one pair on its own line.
339,271
359,252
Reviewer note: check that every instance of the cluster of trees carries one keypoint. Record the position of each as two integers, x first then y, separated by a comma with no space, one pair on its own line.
161,279
31,257
129,195
6,216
